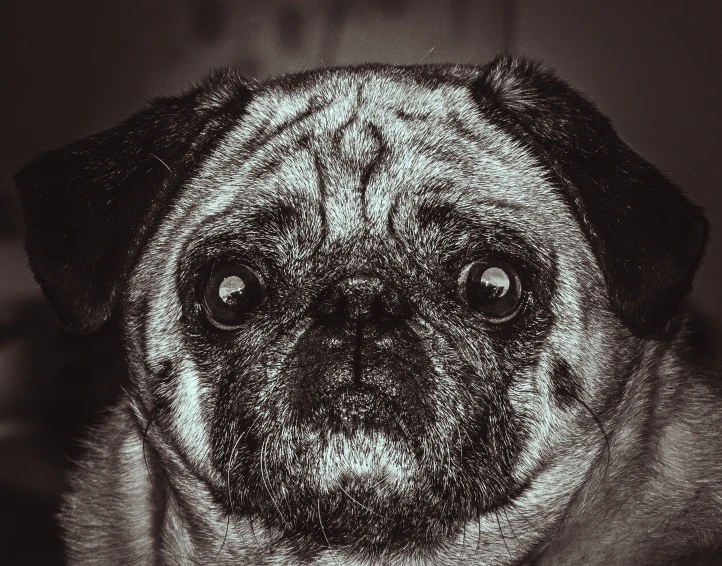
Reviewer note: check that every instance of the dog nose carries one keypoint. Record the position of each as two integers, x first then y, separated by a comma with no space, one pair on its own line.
362,297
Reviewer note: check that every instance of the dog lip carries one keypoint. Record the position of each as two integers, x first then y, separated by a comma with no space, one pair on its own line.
357,406
356,401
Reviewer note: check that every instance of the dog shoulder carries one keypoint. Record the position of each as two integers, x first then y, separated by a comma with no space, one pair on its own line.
108,505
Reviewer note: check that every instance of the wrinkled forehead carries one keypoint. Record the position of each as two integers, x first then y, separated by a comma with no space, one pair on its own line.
361,153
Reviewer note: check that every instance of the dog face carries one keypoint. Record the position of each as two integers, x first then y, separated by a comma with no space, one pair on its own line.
366,356
371,308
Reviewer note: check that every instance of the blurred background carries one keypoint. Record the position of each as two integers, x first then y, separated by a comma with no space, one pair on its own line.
72,68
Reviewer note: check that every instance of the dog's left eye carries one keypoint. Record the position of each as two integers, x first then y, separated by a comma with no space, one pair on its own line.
492,288
231,291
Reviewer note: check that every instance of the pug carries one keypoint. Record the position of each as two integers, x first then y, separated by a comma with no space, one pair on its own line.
382,315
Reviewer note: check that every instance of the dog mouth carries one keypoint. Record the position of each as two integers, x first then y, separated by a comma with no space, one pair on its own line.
357,408
367,456
360,438
364,471
344,486
359,469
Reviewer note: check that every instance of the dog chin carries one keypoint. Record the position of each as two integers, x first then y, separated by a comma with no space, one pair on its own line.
362,490
362,460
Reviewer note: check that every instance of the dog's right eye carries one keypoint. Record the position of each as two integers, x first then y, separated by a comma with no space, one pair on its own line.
230,292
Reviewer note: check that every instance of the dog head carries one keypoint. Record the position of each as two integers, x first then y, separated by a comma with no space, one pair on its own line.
371,307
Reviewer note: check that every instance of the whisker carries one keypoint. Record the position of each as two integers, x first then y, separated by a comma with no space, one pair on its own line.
347,494
264,475
463,543
163,162
508,522
230,496
514,508
323,531
427,54
599,425
225,535
145,459
501,532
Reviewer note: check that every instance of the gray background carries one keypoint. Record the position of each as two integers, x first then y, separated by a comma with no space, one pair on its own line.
74,68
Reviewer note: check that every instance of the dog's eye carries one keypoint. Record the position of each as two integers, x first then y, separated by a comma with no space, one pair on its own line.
230,292
492,288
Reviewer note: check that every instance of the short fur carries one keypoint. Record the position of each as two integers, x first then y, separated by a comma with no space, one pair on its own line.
577,432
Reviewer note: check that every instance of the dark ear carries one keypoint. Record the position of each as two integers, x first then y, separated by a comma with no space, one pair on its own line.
648,238
90,205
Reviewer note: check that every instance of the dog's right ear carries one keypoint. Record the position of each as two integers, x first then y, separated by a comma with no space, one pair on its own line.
89,206
647,236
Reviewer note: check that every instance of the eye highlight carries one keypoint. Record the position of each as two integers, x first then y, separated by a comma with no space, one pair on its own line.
229,293
492,288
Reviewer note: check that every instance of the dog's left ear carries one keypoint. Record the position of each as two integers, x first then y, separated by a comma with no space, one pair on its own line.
90,206
648,238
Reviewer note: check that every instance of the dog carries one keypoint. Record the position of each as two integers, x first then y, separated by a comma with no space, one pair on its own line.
383,315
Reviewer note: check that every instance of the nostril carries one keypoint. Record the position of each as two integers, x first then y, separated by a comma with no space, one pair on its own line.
389,304
364,316
328,304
